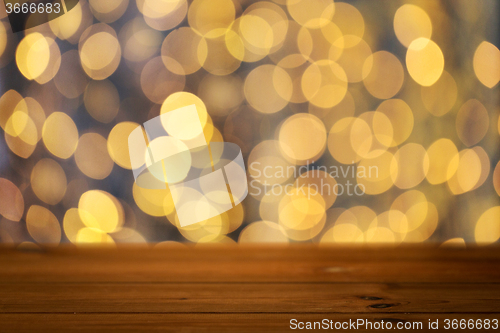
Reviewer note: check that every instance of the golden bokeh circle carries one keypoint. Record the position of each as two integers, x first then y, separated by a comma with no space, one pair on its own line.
108,11
496,178
472,122
411,22
425,61
383,75
92,156
268,88
158,83
486,64
302,138
118,143
11,200
324,83
440,97
186,48
33,55
401,117
48,181
412,165
100,51
101,100
43,226
211,18
262,232
57,126
100,210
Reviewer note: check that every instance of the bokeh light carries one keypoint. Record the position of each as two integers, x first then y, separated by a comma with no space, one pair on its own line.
48,181
425,61
487,64
358,121
60,135
411,22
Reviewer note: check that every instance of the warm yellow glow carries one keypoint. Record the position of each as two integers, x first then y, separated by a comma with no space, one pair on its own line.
182,99
472,122
468,172
425,61
411,22
33,55
100,51
10,102
343,233
261,232
353,57
350,21
383,75
496,178
211,18
152,201
60,135
139,41
43,226
401,118
158,83
93,236
487,64
266,157
71,79
186,48
412,165
11,200
350,128
341,133
454,243
3,39
302,138
72,224
268,88
380,170
322,181
221,94
441,96
118,143
108,11
324,83
414,205
488,227
311,13
101,211
256,32
92,156
48,181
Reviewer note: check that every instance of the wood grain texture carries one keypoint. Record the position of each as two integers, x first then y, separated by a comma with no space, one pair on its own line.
247,289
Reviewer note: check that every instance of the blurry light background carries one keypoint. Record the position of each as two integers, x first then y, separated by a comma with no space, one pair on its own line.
310,89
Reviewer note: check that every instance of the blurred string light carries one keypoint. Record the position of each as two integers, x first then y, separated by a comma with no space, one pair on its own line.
294,83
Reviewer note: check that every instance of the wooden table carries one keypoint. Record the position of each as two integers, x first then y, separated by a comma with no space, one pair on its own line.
243,289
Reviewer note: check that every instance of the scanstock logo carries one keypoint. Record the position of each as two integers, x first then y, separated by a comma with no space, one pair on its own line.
31,13
204,179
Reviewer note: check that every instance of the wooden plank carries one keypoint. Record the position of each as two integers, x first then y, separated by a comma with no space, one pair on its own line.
254,264
244,289
248,297
213,322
